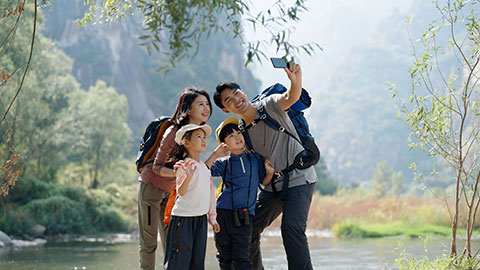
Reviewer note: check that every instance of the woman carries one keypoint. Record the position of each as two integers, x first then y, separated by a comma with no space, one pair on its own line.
156,180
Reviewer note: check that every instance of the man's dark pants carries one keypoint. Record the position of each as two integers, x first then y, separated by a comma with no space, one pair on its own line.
233,242
294,223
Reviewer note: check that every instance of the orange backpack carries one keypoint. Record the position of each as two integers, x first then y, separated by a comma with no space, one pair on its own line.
170,203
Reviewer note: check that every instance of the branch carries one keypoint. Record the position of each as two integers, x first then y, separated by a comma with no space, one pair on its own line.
452,34
28,62
13,30
476,209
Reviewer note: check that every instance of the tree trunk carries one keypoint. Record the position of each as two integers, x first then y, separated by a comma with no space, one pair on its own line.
453,247
95,174
471,219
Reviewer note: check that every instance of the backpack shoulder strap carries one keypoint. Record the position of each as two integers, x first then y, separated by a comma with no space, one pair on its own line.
243,130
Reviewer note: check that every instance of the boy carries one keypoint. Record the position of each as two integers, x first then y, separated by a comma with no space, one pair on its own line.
241,173
297,186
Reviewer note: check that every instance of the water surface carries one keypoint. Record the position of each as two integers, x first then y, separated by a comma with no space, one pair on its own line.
327,253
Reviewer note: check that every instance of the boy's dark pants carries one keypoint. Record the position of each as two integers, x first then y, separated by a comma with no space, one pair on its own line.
232,242
186,243
294,223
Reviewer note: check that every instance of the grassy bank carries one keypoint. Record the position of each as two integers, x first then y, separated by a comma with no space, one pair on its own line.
359,215
365,230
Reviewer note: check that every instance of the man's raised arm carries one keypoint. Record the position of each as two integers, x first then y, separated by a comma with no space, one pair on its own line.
293,93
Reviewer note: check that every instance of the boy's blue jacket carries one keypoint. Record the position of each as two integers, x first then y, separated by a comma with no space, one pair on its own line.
239,170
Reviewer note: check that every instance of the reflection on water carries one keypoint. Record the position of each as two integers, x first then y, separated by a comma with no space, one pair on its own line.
327,253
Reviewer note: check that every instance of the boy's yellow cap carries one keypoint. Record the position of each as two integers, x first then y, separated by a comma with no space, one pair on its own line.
229,120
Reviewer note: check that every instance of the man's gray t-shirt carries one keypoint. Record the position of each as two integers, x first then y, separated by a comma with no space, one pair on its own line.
273,144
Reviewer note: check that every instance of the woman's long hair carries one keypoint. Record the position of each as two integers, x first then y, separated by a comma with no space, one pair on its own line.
188,95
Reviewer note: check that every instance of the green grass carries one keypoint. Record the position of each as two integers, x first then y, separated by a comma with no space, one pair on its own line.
408,262
373,230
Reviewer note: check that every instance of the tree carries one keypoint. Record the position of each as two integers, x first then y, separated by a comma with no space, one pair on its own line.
443,110
398,180
326,184
172,26
27,133
380,182
94,128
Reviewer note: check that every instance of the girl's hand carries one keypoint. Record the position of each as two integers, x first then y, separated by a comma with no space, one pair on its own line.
268,167
189,167
216,228
178,165
221,150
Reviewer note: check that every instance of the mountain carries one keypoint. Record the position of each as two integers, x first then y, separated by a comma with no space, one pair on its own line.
113,53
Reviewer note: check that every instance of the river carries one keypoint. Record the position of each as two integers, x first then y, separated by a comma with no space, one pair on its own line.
326,252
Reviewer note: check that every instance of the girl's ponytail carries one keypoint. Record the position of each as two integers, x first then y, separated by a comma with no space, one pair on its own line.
179,152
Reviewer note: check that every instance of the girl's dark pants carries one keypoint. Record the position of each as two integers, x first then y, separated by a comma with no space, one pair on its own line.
294,223
186,243
233,242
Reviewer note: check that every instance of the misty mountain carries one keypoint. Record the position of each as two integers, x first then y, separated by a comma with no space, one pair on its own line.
356,121
113,53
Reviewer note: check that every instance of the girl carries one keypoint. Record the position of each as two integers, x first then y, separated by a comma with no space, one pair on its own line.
156,180
187,231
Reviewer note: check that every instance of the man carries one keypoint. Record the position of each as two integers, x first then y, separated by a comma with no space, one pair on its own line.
281,149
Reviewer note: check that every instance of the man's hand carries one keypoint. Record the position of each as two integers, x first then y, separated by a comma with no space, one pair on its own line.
293,93
294,74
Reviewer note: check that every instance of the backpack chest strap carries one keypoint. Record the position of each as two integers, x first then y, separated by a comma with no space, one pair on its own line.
269,121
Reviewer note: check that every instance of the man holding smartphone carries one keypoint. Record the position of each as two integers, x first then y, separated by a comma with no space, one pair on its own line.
281,150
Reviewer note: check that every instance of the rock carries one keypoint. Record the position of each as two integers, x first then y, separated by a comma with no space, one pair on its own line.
37,230
23,243
5,239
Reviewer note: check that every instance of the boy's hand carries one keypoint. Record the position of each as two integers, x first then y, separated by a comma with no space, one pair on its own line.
268,167
216,228
221,150
294,74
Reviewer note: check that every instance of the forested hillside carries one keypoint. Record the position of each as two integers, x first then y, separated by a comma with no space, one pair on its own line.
355,116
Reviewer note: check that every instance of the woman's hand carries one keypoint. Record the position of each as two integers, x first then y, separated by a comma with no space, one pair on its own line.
221,150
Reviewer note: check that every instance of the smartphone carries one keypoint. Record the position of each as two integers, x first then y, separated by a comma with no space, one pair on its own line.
279,62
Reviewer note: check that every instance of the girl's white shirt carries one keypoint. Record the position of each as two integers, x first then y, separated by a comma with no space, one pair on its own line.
200,196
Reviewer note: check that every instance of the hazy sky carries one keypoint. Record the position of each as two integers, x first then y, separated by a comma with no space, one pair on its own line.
337,26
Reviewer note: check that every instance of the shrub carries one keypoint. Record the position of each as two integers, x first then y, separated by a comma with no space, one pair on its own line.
28,189
59,215
15,221
108,219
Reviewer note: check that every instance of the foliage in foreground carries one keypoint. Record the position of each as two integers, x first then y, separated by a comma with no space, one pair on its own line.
409,262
